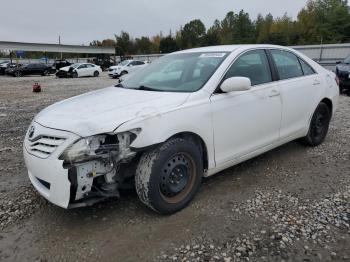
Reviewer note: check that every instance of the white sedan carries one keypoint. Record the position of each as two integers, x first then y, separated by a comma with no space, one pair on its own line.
126,67
186,116
79,70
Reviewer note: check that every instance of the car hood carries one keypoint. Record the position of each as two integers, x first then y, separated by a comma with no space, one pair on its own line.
104,110
343,67
66,68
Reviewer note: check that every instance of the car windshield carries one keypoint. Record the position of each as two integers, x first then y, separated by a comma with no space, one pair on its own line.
186,72
124,63
75,65
347,60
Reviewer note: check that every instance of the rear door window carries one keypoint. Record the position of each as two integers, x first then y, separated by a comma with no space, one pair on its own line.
287,64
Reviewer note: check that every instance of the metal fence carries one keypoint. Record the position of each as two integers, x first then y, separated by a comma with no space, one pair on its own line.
326,55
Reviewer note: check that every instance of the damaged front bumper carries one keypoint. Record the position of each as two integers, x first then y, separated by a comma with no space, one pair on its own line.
75,183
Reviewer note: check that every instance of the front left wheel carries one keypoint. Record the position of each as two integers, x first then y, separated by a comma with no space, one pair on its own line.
96,74
168,177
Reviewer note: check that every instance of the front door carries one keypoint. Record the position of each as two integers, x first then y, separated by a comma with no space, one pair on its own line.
246,121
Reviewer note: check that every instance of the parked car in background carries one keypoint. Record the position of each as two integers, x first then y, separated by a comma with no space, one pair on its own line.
3,66
12,65
79,70
125,67
30,69
58,64
343,73
130,74
228,104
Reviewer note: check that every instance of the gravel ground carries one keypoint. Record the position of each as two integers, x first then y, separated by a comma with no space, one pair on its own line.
290,204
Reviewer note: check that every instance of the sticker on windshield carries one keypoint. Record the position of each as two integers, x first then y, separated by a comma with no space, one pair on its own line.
212,55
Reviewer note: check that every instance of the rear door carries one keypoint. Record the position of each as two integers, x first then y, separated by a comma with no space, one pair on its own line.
299,84
83,70
90,69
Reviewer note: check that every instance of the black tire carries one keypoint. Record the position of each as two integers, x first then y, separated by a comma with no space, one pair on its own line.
75,75
45,73
319,126
168,177
96,74
18,74
123,73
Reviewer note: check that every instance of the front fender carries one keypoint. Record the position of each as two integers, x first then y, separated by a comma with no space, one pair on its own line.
159,127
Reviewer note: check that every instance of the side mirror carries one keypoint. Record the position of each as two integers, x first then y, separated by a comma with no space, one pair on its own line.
234,84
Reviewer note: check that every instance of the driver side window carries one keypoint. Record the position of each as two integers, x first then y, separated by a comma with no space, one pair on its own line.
253,65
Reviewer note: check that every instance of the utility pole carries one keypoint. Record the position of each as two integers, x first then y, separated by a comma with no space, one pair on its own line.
59,42
321,50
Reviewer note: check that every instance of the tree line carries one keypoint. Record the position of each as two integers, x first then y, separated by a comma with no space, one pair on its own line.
320,21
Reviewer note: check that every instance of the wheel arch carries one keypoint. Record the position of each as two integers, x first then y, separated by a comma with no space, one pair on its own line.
198,141
329,103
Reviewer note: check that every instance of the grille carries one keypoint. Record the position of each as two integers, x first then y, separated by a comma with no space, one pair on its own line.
43,146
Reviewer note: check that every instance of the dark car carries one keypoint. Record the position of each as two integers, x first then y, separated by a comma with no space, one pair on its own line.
4,68
58,64
30,69
343,73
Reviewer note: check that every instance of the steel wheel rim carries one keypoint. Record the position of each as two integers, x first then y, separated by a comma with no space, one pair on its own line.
177,178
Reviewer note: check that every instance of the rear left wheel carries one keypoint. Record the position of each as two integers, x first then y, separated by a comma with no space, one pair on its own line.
319,126
168,177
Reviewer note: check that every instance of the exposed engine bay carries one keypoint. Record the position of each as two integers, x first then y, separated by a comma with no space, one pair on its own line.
99,166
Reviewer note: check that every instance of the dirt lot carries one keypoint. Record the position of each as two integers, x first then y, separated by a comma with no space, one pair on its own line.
290,204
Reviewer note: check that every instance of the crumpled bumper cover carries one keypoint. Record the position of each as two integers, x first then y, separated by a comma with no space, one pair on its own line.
49,178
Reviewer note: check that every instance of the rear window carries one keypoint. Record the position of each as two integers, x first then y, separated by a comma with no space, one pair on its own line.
307,69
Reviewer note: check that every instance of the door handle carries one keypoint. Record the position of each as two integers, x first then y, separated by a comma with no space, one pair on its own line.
274,93
316,82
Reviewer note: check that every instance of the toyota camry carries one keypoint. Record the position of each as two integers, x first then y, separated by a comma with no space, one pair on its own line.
186,116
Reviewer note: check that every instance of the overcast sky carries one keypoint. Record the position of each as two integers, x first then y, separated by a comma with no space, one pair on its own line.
81,21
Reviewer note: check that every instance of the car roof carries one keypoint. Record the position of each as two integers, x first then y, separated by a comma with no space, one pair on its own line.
229,48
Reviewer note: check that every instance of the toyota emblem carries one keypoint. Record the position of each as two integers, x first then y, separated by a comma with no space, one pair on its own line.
31,132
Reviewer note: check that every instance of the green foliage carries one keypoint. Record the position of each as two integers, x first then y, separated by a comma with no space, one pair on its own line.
326,21
193,34
168,45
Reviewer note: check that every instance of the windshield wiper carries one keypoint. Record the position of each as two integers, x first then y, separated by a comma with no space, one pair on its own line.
147,88
119,85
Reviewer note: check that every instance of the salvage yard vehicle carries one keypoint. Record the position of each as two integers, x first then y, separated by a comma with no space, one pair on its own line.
343,73
79,70
228,104
3,66
125,67
58,64
30,69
